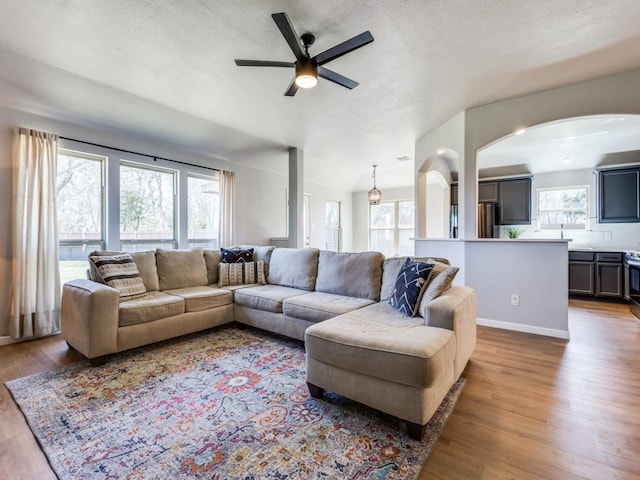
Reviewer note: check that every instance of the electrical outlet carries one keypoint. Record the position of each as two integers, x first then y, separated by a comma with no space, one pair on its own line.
515,300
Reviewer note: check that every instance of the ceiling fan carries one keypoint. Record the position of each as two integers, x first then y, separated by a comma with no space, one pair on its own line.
308,68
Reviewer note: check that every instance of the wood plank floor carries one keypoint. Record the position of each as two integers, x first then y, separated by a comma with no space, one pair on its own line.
533,407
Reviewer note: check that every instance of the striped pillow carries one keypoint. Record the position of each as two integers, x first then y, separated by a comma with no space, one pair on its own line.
241,273
120,272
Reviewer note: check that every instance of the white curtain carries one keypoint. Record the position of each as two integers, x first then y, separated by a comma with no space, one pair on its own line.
35,288
227,195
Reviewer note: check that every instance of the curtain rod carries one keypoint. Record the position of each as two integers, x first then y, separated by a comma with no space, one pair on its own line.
155,157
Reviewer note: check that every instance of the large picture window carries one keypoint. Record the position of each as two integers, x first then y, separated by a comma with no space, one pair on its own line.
107,200
332,224
566,207
80,210
203,201
391,225
147,207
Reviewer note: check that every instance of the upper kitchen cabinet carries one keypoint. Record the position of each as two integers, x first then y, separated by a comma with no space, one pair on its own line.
514,199
619,195
488,192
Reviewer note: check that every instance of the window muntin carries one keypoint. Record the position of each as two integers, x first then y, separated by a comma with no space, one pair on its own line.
80,200
203,205
391,225
566,206
147,207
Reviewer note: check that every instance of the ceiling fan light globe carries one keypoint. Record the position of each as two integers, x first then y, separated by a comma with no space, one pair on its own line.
306,81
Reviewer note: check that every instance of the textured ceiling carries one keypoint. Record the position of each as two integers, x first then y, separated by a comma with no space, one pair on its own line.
164,69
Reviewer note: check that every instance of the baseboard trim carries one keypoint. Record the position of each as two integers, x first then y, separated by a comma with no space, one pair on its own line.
518,327
7,340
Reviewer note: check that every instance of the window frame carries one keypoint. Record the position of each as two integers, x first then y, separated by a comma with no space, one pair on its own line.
213,177
333,230
173,242
540,212
396,229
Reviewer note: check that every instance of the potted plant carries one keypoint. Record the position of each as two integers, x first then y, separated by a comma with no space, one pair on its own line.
513,232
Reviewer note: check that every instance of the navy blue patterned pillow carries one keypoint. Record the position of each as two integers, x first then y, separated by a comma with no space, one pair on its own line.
411,283
236,255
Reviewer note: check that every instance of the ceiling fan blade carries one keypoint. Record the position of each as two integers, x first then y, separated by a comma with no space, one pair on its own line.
337,78
293,88
344,48
263,63
289,34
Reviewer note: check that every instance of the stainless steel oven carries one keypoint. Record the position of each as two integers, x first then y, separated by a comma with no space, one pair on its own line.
632,284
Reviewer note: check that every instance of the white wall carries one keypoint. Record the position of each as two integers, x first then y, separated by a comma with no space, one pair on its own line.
361,213
260,196
319,195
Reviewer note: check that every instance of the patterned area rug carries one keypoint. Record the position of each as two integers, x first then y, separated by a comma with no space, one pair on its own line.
227,404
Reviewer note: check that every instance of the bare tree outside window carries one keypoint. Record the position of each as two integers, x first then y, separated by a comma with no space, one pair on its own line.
147,207
80,209
203,199
566,206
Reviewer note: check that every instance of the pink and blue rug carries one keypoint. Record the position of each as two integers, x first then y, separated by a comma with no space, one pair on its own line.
223,405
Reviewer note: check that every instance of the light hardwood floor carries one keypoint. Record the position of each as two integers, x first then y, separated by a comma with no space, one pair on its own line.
533,407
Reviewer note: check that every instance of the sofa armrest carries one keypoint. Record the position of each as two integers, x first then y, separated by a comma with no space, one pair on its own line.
90,317
456,309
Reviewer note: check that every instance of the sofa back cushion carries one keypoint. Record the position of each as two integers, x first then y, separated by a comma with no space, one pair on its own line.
294,267
181,268
352,274
390,269
212,261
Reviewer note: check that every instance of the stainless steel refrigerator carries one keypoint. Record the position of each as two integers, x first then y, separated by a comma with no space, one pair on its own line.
487,218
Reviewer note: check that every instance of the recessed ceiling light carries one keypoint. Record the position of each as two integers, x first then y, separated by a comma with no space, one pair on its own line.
520,131
570,137
566,160
441,151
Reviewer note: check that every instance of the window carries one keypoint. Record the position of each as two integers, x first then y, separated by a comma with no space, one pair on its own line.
203,203
147,207
332,224
80,210
391,226
566,207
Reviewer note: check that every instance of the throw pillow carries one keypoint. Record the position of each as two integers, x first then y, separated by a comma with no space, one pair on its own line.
244,273
410,285
440,281
120,272
236,255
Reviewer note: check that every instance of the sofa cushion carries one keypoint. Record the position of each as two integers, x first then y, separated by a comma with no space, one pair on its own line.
181,268
319,306
380,342
212,261
197,299
351,274
439,282
390,269
411,283
294,267
261,253
119,272
243,273
146,262
151,306
236,255
265,297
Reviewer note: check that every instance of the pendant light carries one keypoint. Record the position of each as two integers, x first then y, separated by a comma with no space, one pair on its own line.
374,194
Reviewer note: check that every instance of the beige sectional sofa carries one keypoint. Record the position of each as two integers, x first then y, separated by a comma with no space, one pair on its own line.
357,344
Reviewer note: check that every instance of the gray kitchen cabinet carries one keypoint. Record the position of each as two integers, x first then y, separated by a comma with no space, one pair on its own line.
488,192
619,195
596,274
582,273
609,275
514,199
